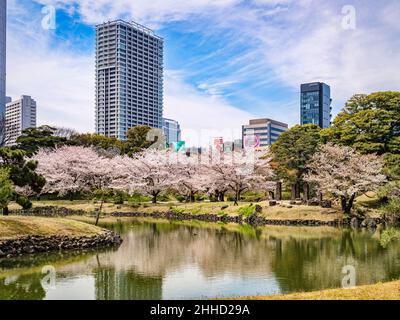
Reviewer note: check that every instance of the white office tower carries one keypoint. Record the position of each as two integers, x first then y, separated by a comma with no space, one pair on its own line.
129,78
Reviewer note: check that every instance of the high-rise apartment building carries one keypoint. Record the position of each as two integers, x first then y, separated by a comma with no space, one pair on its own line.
315,104
3,37
172,131
129,78
263,132
20,115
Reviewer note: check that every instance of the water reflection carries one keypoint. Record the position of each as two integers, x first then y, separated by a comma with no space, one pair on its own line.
171,260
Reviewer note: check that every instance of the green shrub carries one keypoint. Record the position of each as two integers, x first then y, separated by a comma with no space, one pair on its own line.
389,235
176,210
180,198
246,211
24,202
392,210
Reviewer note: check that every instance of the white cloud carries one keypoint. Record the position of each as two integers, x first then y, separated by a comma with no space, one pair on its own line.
202,116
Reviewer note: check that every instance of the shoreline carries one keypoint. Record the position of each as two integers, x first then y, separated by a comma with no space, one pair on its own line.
379,291
29,235
255,219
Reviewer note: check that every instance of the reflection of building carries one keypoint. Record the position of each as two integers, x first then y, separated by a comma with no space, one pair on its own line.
20,115
265,131
3,36
129,78
126,285
315,104
172,131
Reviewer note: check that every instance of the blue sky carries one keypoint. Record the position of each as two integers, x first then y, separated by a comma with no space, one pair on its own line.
226,61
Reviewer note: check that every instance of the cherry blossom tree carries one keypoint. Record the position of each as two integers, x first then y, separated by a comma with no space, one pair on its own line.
345,173
71,169
190,173
149,172
243,170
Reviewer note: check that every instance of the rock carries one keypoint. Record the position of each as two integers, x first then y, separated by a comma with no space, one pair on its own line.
326,204
28,249
258,209
292,202
224,207
369,223
272,203
313,203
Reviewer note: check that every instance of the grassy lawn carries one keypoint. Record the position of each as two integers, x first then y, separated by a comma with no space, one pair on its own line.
379,291
276,212
11,227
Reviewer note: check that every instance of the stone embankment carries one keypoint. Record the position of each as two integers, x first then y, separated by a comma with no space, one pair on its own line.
43,244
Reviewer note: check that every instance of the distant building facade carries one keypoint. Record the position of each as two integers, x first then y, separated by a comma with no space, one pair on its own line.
315,104
172,130
129,78
265,131
3,38
20,115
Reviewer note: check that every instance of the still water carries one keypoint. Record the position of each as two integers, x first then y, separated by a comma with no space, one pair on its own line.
191,260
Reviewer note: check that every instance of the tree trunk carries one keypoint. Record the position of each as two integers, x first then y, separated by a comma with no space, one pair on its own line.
306,192
5,211
279,191
343,202
99,212
350,204
154,200
271,195
222,196
298,196
321,196
293,191
237,195
192,198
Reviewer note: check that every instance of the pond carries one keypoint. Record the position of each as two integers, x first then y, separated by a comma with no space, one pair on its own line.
192,260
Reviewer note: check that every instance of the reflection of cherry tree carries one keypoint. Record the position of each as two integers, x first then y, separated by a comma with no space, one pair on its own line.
345,173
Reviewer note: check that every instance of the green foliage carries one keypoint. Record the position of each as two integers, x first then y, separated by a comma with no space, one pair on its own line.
24,202
137,139
97,140
371,124
392,210
389,235
293,150
176,210
119,198
246,211
6,190
32,139
22,172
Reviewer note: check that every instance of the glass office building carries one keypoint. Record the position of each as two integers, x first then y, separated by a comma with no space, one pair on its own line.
172,131
315,104
129,78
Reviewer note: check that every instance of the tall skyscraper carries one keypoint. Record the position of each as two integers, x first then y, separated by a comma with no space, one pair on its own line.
20,115
315,104
3,37
129,78
172,130
265,131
